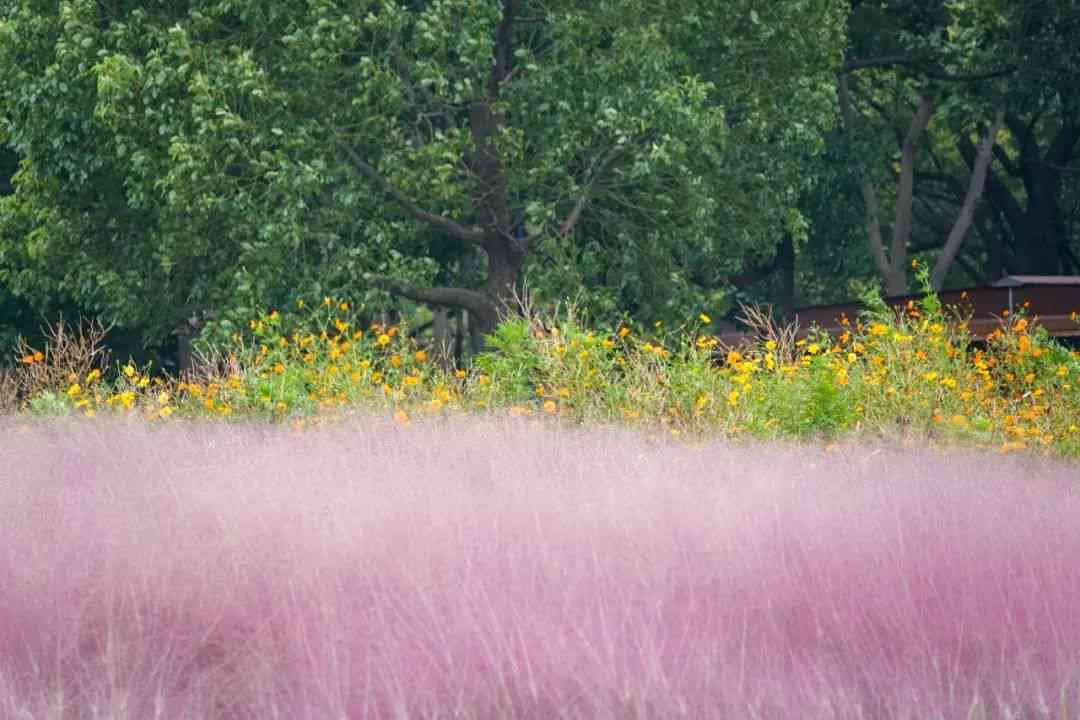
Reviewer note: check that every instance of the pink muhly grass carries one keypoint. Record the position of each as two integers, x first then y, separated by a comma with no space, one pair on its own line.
493,569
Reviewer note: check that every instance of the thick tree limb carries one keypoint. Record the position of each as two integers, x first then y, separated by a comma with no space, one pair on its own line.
1000,194
475,236
902,231
967,209
472,300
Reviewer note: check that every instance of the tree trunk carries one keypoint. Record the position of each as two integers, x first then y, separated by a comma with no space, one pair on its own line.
442,337
1035,227
897,280
893,268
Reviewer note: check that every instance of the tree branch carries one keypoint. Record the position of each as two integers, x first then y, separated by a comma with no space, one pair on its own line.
475,236
889,61
472,300
598,166
967,210
902,232
1000,195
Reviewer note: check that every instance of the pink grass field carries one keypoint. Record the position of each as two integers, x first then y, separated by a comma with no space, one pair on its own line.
494,569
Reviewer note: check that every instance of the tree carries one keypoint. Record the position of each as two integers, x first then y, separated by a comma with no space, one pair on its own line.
963,62
215,155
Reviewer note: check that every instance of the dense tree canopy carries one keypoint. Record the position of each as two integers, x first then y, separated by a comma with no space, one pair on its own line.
175,161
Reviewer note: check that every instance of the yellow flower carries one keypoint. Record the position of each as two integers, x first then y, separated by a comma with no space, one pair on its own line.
484,380
879,329
412,380
163,397
143,382
814,349
550,406
402,417
930,376
129,370
704,318
383,339
279,369
166,411
734,357
624,331
395,360
341,325
770,344
93,375
733,398
74,390
343,307
420,356
459,374
327,302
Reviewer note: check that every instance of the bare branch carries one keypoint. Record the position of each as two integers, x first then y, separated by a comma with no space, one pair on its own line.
472,300
597,168
967,210
472,235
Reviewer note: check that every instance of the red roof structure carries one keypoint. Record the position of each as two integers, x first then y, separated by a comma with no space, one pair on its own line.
1051,299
